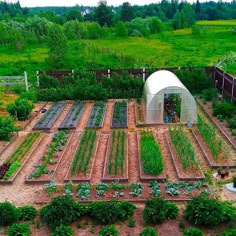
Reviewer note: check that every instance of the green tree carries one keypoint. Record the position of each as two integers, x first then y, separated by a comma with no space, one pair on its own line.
57,44
20,109
121,29
126,12
6,128
74,14
103,14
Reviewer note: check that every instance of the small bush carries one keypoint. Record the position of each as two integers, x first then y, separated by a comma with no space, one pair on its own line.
148,231
8,214
193,232
105,212
157,210
132,222
205,211
62,210
232,123
126,209
225,109
62,230
19,230
27,213
228,232
109,231
209,94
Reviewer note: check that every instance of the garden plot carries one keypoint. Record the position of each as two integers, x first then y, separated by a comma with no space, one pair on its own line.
116,163
139,114
216,152
48,160
151,163
73,117
183,155
97,115
83,161
14,163
120,114
47,121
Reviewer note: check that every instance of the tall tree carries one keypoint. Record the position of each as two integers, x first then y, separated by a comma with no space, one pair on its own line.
126,12
57,44
103,14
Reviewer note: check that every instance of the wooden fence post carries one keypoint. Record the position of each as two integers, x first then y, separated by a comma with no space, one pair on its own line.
26,81
37,72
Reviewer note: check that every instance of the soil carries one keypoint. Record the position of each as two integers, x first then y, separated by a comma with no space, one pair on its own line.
139,112
108,116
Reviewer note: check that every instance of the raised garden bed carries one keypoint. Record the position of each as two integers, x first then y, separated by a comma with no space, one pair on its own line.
215,151
150,157
116,163
183,155
97,115
120,114
81,167
180,191
47,164
47,121
21,155
73,117
139,114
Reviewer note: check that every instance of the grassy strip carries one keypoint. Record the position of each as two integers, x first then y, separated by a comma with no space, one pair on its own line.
23,148
208,133
150,153
184,148
117,153
84,153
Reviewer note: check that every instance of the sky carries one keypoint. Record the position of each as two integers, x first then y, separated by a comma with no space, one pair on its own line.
34,3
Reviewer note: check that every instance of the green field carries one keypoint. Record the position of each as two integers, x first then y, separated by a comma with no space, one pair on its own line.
168,49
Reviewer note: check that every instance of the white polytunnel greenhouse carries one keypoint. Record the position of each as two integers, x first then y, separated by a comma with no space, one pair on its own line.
167,100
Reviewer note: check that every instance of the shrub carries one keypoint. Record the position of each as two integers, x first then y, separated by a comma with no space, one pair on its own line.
132,222
62,210
205,211
228,232
8,214
20,109
6,128
126,209
148,231
105,212
109,231
209,94
27,213
232,123
157,210
19,230
193,232
62,230
225,109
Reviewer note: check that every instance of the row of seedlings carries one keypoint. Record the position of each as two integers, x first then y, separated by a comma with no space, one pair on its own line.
218,154
116,164
16,161
97,115
120,115
73,117
183,155
47,121
150,157
81,167
48,162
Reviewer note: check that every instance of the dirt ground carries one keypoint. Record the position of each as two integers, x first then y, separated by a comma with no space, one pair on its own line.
20,193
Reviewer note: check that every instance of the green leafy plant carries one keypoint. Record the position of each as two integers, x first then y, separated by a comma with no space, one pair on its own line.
131,223
68,188
157,210
62,210
62,230
205,211
8,214
27,213
18,229
150,153
193,232
126,209
137,189
11,170
228,232
105,212
148,231
84,191
6,128
109,231
51,187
